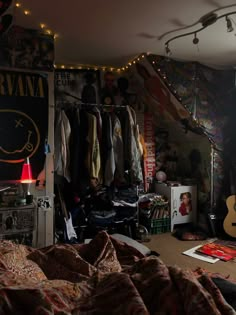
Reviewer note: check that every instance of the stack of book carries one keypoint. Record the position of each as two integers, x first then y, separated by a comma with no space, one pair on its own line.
214,251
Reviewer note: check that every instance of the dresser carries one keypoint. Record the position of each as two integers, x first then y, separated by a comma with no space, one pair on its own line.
18,223
182,200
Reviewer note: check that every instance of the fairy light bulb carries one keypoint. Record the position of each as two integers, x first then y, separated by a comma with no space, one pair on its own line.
18,4
26,12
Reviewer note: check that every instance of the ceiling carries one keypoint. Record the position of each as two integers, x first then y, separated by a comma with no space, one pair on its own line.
111,32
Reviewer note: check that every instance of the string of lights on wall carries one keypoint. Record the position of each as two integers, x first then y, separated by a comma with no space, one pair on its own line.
126,67
205,21
44,27
104,68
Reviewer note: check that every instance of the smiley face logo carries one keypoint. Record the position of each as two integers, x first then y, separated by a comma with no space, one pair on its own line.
19,136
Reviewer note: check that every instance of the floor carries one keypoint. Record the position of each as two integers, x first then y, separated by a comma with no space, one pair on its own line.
170,250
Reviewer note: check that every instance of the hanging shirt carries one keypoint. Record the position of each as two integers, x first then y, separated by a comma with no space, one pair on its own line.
62,143
118,149
136,169
110,160
144,148
93,160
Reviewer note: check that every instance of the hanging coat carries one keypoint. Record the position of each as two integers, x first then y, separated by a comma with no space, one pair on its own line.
93,159
118,149
62,143
136,169
110,158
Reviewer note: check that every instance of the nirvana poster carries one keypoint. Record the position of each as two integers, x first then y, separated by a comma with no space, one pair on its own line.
23,122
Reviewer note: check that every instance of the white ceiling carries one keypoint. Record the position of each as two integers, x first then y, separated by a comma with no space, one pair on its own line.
113,32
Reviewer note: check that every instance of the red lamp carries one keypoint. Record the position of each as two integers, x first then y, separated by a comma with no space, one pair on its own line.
26,175
26,180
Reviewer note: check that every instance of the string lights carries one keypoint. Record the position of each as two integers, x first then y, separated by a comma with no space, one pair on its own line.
102,67
42,26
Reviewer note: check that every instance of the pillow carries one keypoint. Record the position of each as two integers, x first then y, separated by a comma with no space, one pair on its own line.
125,239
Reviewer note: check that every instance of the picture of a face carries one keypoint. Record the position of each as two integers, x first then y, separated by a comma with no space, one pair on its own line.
109,80
186,203
19,136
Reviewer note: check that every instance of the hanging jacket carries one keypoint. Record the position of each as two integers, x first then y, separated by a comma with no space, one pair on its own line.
118,149
136,169
110,158
62,150
93,159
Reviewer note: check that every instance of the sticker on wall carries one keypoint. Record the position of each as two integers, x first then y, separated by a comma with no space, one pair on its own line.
44,203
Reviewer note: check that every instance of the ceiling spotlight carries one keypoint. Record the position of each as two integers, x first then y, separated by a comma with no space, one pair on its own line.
168,51
229,24
195,40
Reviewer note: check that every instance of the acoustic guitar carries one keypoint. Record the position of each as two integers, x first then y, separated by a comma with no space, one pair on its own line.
230,219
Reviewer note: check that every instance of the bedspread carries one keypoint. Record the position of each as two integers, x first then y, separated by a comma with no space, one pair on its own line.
103,277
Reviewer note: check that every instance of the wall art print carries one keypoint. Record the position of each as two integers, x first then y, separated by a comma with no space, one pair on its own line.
23,122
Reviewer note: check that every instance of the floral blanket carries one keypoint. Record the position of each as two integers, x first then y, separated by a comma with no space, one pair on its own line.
102,277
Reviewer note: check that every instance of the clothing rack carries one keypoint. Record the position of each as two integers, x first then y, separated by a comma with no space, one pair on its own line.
63,105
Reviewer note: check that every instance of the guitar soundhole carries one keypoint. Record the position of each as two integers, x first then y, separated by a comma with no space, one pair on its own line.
233,224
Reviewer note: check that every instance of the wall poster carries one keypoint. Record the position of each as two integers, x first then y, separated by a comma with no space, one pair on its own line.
77,86
27,49
23,122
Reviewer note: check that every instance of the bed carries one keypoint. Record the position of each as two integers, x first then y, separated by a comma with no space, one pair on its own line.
105,276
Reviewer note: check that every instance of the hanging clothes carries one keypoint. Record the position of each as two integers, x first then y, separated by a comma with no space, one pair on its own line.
143,145
118,149
62,150
110,157
93,159
126,136
136,169
73,115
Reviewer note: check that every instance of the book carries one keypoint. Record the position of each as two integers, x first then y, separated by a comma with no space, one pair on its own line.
218,251
193,253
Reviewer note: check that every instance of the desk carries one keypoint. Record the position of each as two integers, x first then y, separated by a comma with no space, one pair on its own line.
18,223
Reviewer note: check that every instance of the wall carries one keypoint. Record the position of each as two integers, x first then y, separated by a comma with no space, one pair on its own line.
197,98
25,54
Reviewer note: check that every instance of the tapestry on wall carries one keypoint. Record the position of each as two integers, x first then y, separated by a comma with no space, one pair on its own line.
23,122
27,49
208,95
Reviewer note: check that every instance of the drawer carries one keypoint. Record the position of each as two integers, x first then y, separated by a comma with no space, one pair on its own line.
17,220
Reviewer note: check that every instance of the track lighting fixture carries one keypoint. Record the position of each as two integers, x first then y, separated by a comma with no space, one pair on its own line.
168,51
229,24
195,40
205,21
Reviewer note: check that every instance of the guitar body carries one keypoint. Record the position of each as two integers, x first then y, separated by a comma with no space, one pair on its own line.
230,219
